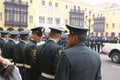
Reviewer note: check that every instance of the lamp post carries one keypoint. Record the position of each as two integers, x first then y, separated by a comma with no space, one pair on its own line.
89,18
89,28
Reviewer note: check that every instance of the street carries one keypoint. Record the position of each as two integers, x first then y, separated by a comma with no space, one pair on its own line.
110,71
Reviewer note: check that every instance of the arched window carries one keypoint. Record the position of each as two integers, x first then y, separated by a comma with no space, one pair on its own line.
1,29
10,29
20,29
112,34
106,34
119,34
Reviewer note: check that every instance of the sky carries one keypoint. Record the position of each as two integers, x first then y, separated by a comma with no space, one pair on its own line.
94,2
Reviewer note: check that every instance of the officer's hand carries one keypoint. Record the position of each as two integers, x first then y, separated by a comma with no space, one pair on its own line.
5,62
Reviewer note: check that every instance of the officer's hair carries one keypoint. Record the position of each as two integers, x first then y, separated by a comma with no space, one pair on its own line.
37,33
81,38
13,36
24,37
54,35
3,35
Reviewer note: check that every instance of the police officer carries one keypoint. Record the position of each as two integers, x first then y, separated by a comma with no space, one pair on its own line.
30,50
98,43
48,55
3,40
11,44
19,56
78,62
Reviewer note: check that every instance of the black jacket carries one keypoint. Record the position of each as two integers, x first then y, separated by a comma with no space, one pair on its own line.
47,57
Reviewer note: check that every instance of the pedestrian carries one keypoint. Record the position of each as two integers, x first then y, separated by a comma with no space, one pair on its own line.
30,50
48,55
8,71
19,56
78,62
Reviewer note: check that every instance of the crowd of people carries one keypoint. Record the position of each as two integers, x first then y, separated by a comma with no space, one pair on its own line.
96,43
60,57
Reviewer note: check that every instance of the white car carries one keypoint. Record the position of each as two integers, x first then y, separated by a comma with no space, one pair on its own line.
112,50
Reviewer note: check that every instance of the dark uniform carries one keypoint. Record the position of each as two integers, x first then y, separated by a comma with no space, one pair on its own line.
79,62
98,44
10,46
3,40
30,50
19,56
47,57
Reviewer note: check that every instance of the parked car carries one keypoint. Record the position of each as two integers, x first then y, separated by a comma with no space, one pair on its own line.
112,50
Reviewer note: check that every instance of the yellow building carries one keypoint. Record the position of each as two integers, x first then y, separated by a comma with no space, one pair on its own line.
30,13
17,13
56,13
111,13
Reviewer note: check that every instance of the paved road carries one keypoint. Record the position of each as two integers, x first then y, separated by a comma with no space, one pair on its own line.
110,71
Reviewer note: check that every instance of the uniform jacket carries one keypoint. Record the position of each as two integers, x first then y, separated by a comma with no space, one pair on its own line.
2,45
79,63
10,49
2,42
19,56
30,51
47,57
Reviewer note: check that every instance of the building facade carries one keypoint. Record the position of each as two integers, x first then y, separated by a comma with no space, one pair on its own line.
30,13
102,20
106,20
57,13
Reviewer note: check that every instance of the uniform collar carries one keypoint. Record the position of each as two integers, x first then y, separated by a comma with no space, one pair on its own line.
23,41
80,44
53,40
32,40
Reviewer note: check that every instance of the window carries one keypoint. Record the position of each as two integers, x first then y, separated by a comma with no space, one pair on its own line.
101,14
50,4
25,18
7,16
57,20
56,4
30,19
76,18
85,9
106,26
30,1
78,8
16,14
97,15
43,2
0,15
15,17
66,6
49,20
41,19
113,25
74,7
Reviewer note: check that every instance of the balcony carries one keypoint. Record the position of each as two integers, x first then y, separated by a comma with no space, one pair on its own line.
16,2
